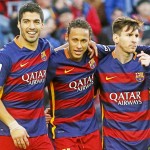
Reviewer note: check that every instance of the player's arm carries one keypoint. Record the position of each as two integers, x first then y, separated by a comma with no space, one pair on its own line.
103,50
144,48
18,133
64,46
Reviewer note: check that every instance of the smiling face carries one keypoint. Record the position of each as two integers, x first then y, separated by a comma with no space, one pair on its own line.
78,40
30,27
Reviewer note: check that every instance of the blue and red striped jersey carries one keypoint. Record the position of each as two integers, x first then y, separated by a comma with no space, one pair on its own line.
23,75
72,94
125,98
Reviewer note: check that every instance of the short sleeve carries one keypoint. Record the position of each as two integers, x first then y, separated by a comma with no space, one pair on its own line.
5,67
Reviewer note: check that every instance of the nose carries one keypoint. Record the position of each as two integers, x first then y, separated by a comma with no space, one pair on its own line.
79,44
31,26
135,39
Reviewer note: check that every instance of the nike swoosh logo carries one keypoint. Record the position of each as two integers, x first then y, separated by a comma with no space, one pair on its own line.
109,78
67,71
22,65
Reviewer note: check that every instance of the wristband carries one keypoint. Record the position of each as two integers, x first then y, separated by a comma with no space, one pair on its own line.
14,126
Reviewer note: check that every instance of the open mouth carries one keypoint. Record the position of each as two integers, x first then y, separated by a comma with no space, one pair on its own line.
78,52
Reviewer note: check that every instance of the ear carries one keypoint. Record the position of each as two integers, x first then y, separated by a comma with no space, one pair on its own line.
66,37
42,26
18,25
116,38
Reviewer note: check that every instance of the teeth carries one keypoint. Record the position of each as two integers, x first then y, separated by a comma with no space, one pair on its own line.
32,33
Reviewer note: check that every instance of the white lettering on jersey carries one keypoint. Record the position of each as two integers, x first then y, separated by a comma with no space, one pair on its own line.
82,84
35,77
126,98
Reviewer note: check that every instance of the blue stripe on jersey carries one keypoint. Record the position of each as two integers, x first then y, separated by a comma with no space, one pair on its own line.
112,144
77,128
68,95
65,113
20,104
127,126
112,107
120,86
30,125
23,87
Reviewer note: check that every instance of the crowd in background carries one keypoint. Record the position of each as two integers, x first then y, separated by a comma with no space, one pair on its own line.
58,13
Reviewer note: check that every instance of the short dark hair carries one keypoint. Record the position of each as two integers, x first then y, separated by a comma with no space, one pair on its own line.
79,23
121,22
141,2
30,7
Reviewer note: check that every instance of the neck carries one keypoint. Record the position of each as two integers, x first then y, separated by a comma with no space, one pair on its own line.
123,56
24,43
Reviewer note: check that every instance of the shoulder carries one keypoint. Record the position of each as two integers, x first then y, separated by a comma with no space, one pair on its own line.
57,56
45,44
7,50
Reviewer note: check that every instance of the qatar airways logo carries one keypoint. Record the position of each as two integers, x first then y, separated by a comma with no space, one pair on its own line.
126,98
82,84
35,77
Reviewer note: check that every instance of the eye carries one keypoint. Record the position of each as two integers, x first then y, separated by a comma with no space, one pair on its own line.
74,40
25,21
84,41
129,34
37,22
137,35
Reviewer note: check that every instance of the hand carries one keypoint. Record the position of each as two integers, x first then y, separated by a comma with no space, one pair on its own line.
92,48
47,115
144,59
20,137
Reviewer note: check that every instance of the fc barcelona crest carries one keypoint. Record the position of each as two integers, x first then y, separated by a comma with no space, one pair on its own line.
43,56
139,76
92,63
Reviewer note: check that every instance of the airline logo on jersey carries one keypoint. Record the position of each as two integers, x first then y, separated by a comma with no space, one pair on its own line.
139,76
69,70
23,65
35,77
126,98
92,63
0,67
82,84
43,56
110,78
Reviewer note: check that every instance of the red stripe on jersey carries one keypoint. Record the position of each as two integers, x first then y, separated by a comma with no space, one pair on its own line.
24,96
127,135
117,77
139,95
62,87
27,63
73,70
127,116
75,102
82,116
28,114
